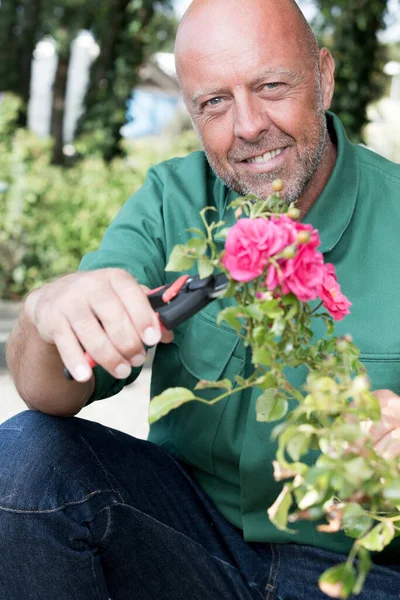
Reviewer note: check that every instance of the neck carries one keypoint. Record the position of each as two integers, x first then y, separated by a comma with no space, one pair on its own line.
315,187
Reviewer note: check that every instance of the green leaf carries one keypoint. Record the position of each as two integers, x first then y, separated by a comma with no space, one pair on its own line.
225,384
379,537
163,404
278,327
271,407
179,261
236,203
355,522
271,308
259,334
357,470
229,315
254,312
278,512
230,290
199,247
205,268
338,582
267,381
391,491
293,311
197,231
262,356
329,324
297,446
223,234
364,567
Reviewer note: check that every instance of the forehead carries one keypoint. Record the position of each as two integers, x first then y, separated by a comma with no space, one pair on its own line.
240,63
212,54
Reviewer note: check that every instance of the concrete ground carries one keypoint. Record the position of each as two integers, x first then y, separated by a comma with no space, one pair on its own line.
127,411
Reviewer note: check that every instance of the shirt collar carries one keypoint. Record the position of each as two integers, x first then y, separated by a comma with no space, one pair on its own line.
334,208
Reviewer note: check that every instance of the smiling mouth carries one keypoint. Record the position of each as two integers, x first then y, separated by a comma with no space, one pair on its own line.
264,158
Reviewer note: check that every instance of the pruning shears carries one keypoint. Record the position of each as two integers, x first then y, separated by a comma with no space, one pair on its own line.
177,302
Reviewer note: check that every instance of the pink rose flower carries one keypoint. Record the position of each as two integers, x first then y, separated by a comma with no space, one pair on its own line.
332,297
251,242
303,274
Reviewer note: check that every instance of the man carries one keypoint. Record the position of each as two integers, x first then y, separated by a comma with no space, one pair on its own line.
87,512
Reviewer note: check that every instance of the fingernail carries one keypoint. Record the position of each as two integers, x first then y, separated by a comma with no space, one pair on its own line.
123,371
82,373
138,360
151,336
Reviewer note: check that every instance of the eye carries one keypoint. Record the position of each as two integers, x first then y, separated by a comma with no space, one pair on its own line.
273,85
213,101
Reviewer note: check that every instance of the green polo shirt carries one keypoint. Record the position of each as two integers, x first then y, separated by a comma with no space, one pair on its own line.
358,217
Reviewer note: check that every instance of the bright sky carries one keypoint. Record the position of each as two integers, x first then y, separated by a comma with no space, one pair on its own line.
308,8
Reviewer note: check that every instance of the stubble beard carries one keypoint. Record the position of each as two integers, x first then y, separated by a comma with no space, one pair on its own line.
296,181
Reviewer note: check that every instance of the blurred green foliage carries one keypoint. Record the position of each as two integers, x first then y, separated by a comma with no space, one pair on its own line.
51,216
349,29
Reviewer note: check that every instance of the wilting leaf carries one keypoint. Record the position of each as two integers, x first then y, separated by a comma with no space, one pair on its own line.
338,582
225,384
278,512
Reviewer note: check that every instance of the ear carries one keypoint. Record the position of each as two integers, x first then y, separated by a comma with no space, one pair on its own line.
327,70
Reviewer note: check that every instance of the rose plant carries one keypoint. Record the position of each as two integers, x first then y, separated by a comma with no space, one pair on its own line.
275,272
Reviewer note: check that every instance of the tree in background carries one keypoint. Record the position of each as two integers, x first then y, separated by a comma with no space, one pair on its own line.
349,28
19,24
122,28
130,31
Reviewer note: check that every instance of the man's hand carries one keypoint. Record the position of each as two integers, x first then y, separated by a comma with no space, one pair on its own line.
105,312
386,433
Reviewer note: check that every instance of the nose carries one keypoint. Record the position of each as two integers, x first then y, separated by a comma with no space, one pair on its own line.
250,117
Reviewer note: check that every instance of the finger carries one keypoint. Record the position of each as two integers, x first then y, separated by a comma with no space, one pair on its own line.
95,341
119,328
167,337
138,308
71,352
389,445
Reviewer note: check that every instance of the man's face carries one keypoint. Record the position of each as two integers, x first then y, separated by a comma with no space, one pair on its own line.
256,100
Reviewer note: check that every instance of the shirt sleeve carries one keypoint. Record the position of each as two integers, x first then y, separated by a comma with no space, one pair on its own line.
135,242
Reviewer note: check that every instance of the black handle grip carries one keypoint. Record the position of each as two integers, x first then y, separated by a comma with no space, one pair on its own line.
184,306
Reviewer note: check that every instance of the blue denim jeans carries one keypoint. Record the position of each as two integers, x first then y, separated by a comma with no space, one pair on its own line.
90,513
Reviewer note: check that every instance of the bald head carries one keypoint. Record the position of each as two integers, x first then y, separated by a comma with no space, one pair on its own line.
219,22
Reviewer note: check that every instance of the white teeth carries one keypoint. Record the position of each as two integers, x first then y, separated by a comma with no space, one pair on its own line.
265,157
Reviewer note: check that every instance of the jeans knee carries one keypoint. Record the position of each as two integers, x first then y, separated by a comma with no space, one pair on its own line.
40,456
